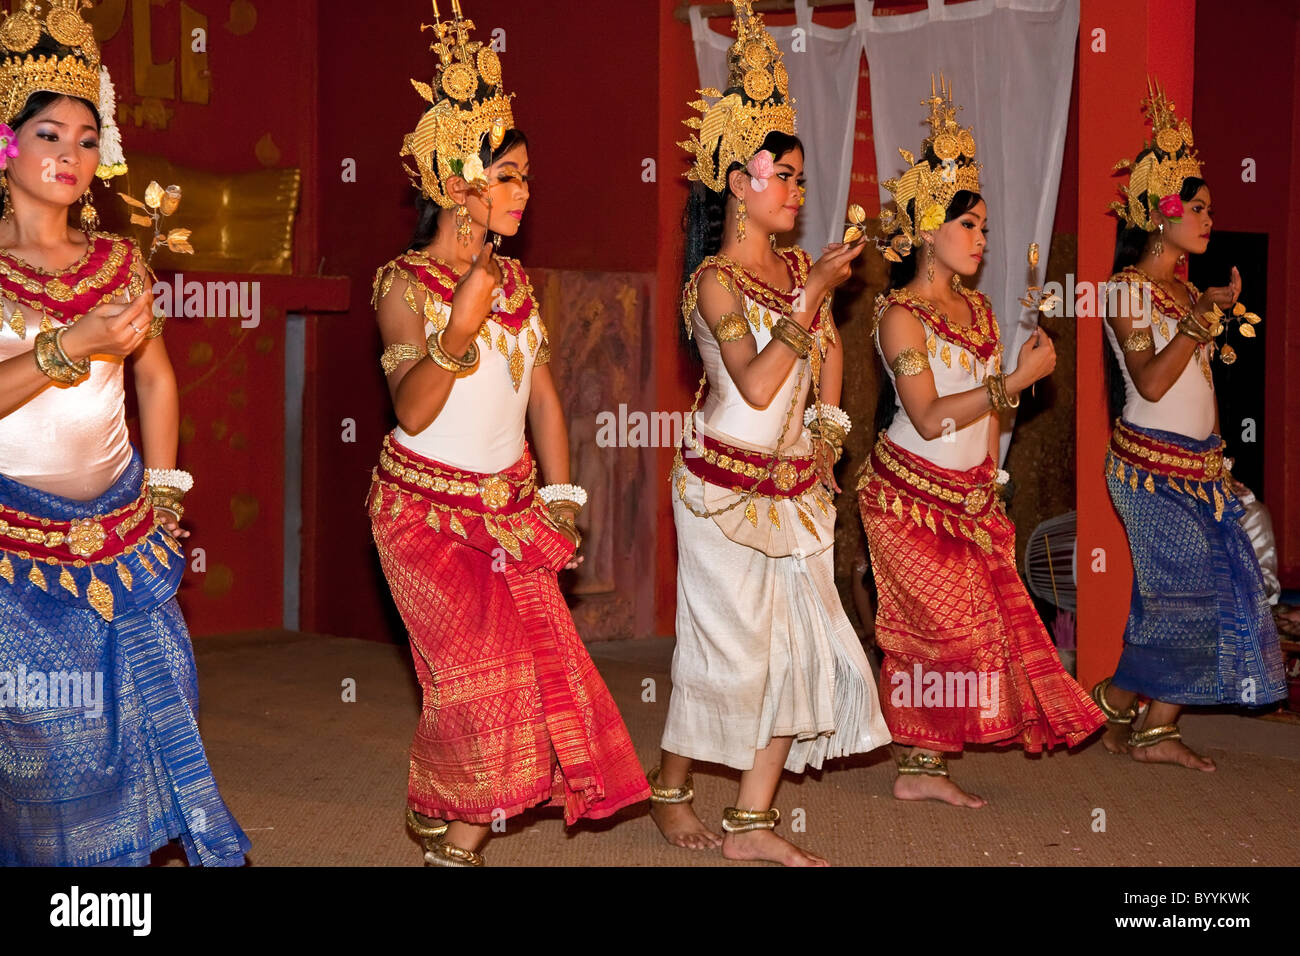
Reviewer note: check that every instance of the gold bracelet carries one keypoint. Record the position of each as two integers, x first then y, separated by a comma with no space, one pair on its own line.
1194,330
793,336
1139,340
54,362
457,366
997,389
396,354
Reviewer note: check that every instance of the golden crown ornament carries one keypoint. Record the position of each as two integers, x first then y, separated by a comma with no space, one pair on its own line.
48,46
468,106
1169,160
929,185
756,103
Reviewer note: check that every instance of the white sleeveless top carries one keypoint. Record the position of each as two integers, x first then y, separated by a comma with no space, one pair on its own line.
726,414
960,359
481,426
67,440
1188,407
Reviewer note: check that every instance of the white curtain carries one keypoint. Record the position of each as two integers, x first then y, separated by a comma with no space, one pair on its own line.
823,65
1010,63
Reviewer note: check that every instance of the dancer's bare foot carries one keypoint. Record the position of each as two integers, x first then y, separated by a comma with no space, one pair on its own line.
1173,751
766,845
927,787
681,827
1116,738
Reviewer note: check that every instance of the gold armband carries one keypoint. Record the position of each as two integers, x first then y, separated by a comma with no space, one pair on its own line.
1139,340
544,353
731,328
909,362
397,353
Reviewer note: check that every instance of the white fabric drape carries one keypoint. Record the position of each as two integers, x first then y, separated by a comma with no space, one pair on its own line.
1010,63
823,66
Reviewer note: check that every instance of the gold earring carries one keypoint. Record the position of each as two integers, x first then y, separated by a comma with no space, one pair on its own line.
89,215
929,261
1158,249
956,282
8,213
462,224
742,214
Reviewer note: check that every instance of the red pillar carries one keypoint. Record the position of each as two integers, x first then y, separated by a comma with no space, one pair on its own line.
1140,39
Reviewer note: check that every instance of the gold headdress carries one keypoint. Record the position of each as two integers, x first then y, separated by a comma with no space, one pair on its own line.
757,102
1161,171
67,62
931,184
468,105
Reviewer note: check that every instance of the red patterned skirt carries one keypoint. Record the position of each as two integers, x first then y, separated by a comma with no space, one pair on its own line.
515,713
967,659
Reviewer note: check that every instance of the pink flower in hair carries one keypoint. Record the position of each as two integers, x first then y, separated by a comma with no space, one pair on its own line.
761,168
8,145
1171,207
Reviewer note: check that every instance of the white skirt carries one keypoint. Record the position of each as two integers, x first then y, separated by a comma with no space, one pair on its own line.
764,649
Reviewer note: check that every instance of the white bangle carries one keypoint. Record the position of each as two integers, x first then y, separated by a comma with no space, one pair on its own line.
832,413
553,493
182,481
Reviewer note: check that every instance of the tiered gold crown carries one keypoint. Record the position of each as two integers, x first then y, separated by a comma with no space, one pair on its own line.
468,105
931,184
757,102
71,67
1161,171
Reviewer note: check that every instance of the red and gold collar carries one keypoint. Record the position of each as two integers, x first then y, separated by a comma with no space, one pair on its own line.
104,271
981,337
512,308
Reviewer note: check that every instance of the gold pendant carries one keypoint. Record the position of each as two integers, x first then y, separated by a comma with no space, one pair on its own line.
124,575
947,526
916,514
773,517
100,596
18,324
431,519
160,554
898,508
1149,484
501,345
807,522
751,514
516,367
453,522
532,341
7,569
929,521
945,354
67,583
148,565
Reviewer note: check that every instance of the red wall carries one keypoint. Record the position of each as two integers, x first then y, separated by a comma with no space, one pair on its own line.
1235,120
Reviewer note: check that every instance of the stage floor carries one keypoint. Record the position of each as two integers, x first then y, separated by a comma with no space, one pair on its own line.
316,781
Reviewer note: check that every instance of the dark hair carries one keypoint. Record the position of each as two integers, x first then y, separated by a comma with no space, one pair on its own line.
1130,247
704,220
901,273
41,99
426,225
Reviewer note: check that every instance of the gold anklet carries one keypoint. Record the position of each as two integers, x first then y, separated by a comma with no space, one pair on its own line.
447,854
740,821
931,765
1153,736
658,794
1113,714
425,831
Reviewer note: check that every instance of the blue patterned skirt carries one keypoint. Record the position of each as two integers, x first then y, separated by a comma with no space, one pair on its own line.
100,757
1200,629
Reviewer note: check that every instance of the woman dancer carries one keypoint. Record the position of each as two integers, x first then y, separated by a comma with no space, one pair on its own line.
514,711
100,756
1200,630
967,659
768,673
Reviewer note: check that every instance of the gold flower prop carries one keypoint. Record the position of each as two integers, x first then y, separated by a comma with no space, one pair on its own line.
159,202
1034,298
855,228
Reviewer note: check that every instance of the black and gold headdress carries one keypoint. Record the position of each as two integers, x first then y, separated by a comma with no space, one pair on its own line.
468,107
931,184
756,103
